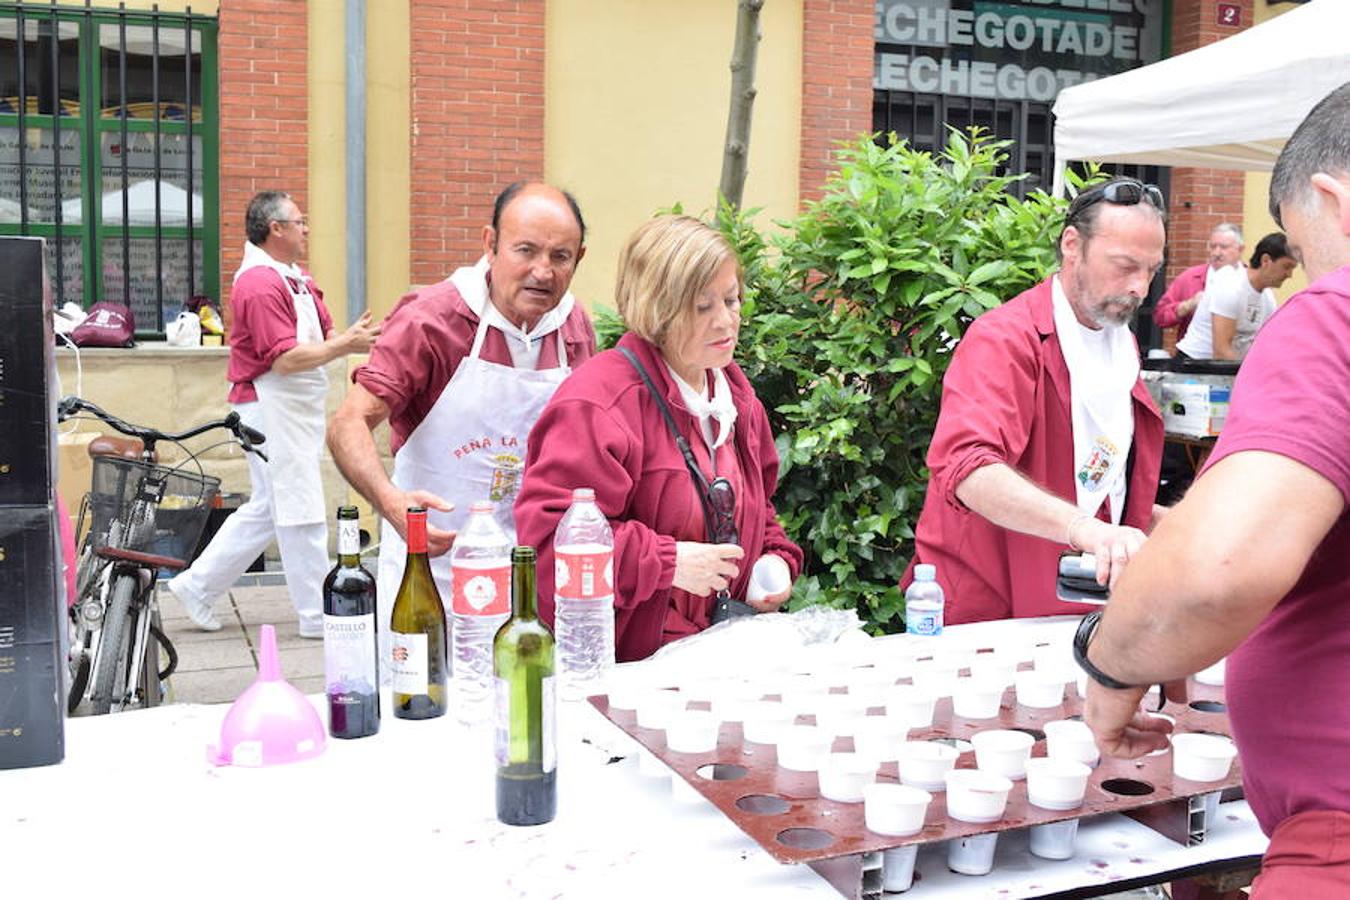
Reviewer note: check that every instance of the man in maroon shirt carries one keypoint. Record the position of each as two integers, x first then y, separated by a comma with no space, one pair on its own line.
281,337
461,373
1254,563
1177,305
1047,438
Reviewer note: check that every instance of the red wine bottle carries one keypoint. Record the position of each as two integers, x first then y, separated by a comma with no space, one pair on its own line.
351,677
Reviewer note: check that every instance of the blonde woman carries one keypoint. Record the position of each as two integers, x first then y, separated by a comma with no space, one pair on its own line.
687,527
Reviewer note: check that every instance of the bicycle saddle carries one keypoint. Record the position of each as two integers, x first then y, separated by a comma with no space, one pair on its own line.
112,445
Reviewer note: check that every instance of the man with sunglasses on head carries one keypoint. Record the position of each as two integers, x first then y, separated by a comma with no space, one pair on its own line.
1047,439
1254,562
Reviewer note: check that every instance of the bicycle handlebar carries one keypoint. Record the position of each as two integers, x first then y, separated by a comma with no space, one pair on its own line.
69,406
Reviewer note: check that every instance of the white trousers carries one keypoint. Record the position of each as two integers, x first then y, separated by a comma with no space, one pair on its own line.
247,532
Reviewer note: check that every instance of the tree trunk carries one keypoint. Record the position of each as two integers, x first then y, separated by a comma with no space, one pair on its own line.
736,152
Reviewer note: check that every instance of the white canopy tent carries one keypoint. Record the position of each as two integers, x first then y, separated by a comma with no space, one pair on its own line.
1228,105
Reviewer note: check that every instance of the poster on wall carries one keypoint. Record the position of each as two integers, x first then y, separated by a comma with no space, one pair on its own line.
1012,50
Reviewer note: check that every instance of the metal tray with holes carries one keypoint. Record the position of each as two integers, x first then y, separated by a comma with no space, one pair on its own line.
784,812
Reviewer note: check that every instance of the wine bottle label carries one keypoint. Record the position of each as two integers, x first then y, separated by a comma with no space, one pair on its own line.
550,724
408,663
480,590
349,657
502,712
583,573
349,537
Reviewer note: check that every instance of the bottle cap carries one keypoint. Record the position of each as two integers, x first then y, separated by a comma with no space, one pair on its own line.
522,554
583,494
417,529
925,572
348,512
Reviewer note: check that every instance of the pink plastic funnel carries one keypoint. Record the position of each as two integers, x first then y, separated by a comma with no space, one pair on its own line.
271,722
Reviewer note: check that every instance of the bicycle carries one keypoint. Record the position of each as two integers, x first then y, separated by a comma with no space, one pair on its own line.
143,517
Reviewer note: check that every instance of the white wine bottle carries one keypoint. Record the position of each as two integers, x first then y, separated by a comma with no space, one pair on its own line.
522,659
417,632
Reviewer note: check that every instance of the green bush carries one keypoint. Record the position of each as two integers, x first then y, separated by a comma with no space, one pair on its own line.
850,319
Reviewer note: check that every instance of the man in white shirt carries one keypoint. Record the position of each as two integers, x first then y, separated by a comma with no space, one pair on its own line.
1237,302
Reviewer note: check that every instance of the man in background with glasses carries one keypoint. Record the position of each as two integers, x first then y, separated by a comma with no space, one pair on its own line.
1047,439
1254,562
1176,307
281,337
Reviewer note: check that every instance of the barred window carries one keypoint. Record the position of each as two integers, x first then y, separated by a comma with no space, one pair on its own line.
108,149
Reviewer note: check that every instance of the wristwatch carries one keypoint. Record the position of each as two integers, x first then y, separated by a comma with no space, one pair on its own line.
1081,638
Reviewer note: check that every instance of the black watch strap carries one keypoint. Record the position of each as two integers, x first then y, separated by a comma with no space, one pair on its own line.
1086,629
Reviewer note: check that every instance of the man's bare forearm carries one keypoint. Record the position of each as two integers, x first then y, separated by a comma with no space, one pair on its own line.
352,444
1215,567
1008,499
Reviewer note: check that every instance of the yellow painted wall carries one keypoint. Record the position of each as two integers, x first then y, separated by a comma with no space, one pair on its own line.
636,96
388,160
327,189
1256,220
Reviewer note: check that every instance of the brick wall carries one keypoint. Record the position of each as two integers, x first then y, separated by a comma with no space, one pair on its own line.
837,50
477,101
264,112
1200,198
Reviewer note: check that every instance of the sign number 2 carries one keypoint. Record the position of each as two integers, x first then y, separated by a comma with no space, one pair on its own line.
1230,14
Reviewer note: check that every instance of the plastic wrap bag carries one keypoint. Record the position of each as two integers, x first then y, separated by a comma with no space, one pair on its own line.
184,331
758,643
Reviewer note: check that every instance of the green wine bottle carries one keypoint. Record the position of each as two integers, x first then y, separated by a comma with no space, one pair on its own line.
522,658
417,632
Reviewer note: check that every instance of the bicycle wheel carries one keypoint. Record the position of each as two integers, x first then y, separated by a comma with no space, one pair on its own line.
111,666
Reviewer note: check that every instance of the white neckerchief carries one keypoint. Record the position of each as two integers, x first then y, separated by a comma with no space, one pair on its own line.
719,408
1103,367
471,282
255,256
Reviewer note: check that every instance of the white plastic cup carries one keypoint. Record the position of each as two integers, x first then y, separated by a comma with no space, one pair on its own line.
1003,752
895,810
1054,841
880,737
627,694
801,693
769,576
911,704
870,695
1202,757
1054,660
692,731
1040,689
972,855
923,764
867,677
992,667
897,868
844,776
934,675
840,714
802,748
977,698
1213,675
1071,739
976,796
656,708
763,720
1056,783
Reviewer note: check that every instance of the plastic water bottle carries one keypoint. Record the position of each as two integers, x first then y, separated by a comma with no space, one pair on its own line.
480,585
583,593
924,602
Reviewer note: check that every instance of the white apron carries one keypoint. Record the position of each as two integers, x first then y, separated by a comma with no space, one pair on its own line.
470,447
293,410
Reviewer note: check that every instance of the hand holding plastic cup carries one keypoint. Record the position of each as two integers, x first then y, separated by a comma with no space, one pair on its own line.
769,576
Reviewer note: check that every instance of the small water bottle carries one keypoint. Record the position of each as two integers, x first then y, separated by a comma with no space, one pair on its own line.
480,586
924,602
583,596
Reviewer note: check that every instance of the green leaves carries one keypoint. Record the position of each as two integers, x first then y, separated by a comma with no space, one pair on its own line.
854,310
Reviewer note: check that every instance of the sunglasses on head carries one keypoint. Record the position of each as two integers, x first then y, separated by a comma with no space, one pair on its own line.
1121,192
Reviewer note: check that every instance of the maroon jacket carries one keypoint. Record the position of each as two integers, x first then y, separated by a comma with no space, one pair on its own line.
1005,399
602,430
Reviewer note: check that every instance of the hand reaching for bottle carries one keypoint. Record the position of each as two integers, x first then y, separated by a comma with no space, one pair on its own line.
703,569
396,512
